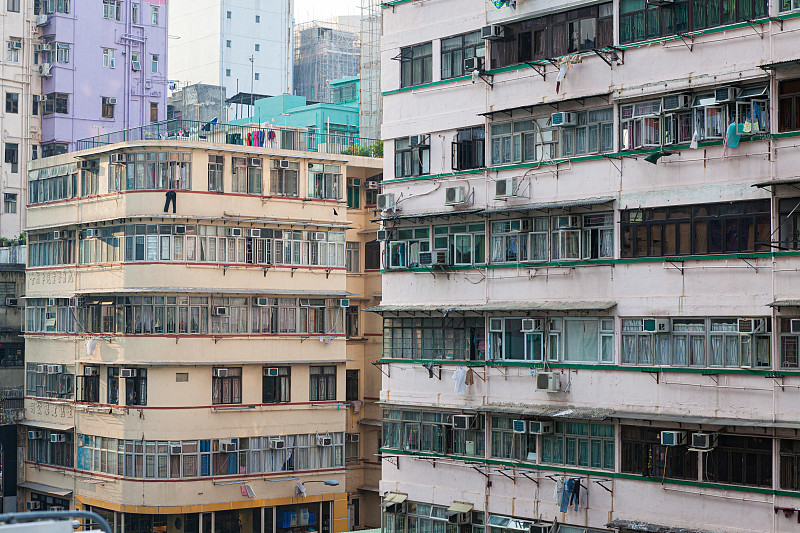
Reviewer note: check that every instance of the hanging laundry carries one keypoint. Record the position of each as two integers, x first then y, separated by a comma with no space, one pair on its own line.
695,139
470,379
575,495
429,368
91,344
558,490
566,493
563,65
562,73
459,377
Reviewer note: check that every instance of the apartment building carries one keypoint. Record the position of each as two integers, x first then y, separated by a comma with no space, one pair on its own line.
188,366
325,50
244,45
20,87
124,43
589,256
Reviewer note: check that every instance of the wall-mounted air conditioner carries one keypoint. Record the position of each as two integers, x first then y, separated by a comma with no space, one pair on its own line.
254,162
344,302
283,163
117,158
386,201
505,187
220,311
220,372
794,325
324,440
44,70
519,426
568,221
277,444
385,235
724,95
472,64
463,421
704,441
271,371
492,32
11,302
532,324
33,505
41,20
353,437
656,325
34,435
548,381
540,428
228,447
752,325
126,373
58,437
434,258
673,438
675,102
563,119
455,195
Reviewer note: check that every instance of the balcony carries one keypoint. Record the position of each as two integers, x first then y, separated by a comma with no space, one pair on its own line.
13,255
268,136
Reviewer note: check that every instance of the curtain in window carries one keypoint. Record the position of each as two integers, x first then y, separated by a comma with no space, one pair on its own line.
629,349
581,340
679,350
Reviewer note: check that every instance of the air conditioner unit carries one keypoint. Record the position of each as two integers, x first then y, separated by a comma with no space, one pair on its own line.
262,302
58,437
344,302
505,187
34,435
562,119
83,164
372,185
11,302
254,162
459,518
41,20
277,444
56,234
126,373
111,100
324,440
673,438
117,158
385,235
89,233
136,66
16,45
548,381
656,325
254,232
44,70
434,258
180,230
52,301
674,102
463,421
227,446
724,94
33,505
271,371
386,201
318,235
568,221
492,32
532,324
353,437
455,195
40,368
235,232
90,371
283,163
220,372
175,449
419,140
472,64
220,311
54,369
794,325
519,426
704,441
540,428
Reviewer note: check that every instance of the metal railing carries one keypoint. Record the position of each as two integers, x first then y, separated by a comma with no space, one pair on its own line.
267,136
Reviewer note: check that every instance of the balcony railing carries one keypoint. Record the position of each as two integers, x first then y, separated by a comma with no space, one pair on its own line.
13,255
267,136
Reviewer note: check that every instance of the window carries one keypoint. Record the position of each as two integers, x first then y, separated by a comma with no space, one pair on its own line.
432,431
790,464
351,453
554,35
740,460
153,112
351,321
44,449
90,178
228,43
456,49
112,9
12,103
508,444
416,64
284,179
228,72
55,103
352,259
62,52
696,229
789,105
12,156
593,133
643,454
469,148
154,18
113,385
89,384
135,13
464,244
136,64
752,110
108,105
640,21
438,338
579,444
9,202
276,385
226,385
372,256
790,342
108,58
13,48
351,386
406,244
12,6
12,354
55,6
256,76
523,140
589,340
49,381
412,156
258,19
353,193
135,386
228,15
324,181
51,149
153,66
640,125
323,383
215,172
258,47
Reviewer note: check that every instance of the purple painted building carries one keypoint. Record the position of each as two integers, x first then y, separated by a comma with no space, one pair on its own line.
103,66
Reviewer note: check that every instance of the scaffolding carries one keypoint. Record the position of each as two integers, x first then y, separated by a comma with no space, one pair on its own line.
324,51
371,101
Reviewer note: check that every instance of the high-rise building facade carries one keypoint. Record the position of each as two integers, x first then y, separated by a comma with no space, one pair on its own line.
325,51
189,365
243,45
123,43
590,294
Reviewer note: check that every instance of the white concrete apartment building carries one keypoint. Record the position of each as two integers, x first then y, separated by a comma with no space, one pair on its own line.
212,41
20,86
585,293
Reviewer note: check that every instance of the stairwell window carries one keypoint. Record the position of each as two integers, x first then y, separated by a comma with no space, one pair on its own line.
9,202
154,18
135,13
416,64
153,64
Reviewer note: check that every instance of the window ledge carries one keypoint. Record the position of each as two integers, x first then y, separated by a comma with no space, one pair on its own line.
231,407
356,339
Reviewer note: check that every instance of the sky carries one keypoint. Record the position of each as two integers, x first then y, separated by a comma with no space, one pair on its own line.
307,10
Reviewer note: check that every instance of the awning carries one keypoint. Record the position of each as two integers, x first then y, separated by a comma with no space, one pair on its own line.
785,303
635,525
779,181
367,231
45,489
564,412
422,216
369,488
370,422
458,507
780,64
393,498
47,425
497,306
545,206
706,420
554,103
206,290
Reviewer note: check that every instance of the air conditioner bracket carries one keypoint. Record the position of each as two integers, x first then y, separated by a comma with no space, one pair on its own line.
752,23
379,366
775,377
612,54
541,70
